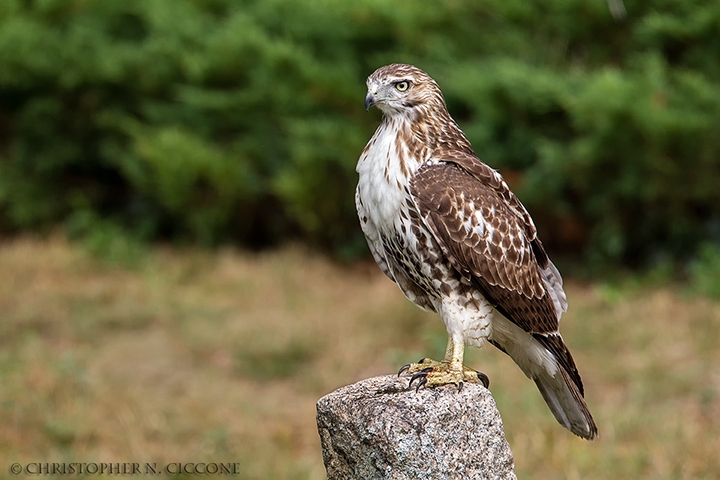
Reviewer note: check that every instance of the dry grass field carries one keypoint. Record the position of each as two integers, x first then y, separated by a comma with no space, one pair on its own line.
192,356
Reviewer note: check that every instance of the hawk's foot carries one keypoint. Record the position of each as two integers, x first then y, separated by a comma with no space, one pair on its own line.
429,373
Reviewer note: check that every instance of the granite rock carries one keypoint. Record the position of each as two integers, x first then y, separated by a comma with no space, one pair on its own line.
379,428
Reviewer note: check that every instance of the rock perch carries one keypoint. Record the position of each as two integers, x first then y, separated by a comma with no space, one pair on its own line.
379,429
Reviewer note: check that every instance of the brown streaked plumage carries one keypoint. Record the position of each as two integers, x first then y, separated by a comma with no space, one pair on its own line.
447,229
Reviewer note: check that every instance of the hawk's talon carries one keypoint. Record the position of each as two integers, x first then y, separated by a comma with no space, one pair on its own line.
422,375
483,379
430,374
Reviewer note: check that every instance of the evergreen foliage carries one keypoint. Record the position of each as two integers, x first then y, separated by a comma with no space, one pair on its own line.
241,121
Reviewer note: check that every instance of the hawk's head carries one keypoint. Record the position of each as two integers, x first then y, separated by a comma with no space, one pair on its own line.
400,89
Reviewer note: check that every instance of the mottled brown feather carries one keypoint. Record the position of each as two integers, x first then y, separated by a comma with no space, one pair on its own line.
512,281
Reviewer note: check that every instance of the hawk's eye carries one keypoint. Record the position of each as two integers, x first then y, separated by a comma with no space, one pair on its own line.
402,86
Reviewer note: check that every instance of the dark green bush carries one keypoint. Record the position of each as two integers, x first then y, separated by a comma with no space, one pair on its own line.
241,121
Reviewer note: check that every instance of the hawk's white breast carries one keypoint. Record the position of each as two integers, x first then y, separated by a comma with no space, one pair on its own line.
382,184
383,203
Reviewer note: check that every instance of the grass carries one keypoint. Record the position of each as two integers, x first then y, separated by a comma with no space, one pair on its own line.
191,356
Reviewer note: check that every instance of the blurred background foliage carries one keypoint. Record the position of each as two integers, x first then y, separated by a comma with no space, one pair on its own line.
227,121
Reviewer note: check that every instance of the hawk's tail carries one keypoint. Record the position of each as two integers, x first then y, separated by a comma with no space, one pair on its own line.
562,388
546,360
566,403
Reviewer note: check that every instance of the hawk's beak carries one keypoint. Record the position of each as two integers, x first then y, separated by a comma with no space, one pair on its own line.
369,101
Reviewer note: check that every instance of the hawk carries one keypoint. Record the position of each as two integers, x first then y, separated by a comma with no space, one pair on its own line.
446,228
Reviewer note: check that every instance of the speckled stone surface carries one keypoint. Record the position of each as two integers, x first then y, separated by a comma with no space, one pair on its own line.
378,428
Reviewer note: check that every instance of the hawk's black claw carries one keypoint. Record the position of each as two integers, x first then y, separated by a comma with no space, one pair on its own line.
403,369
459,386
422,375
483,379
421,382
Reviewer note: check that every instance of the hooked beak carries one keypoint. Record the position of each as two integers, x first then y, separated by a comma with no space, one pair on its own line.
369,101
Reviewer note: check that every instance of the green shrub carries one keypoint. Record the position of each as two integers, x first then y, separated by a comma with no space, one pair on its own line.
241,121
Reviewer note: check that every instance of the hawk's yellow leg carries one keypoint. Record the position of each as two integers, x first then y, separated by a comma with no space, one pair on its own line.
431,373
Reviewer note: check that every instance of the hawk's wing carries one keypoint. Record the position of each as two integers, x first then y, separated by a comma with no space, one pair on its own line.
489,237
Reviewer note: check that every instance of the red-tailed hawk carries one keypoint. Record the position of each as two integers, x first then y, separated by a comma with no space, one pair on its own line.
447,229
